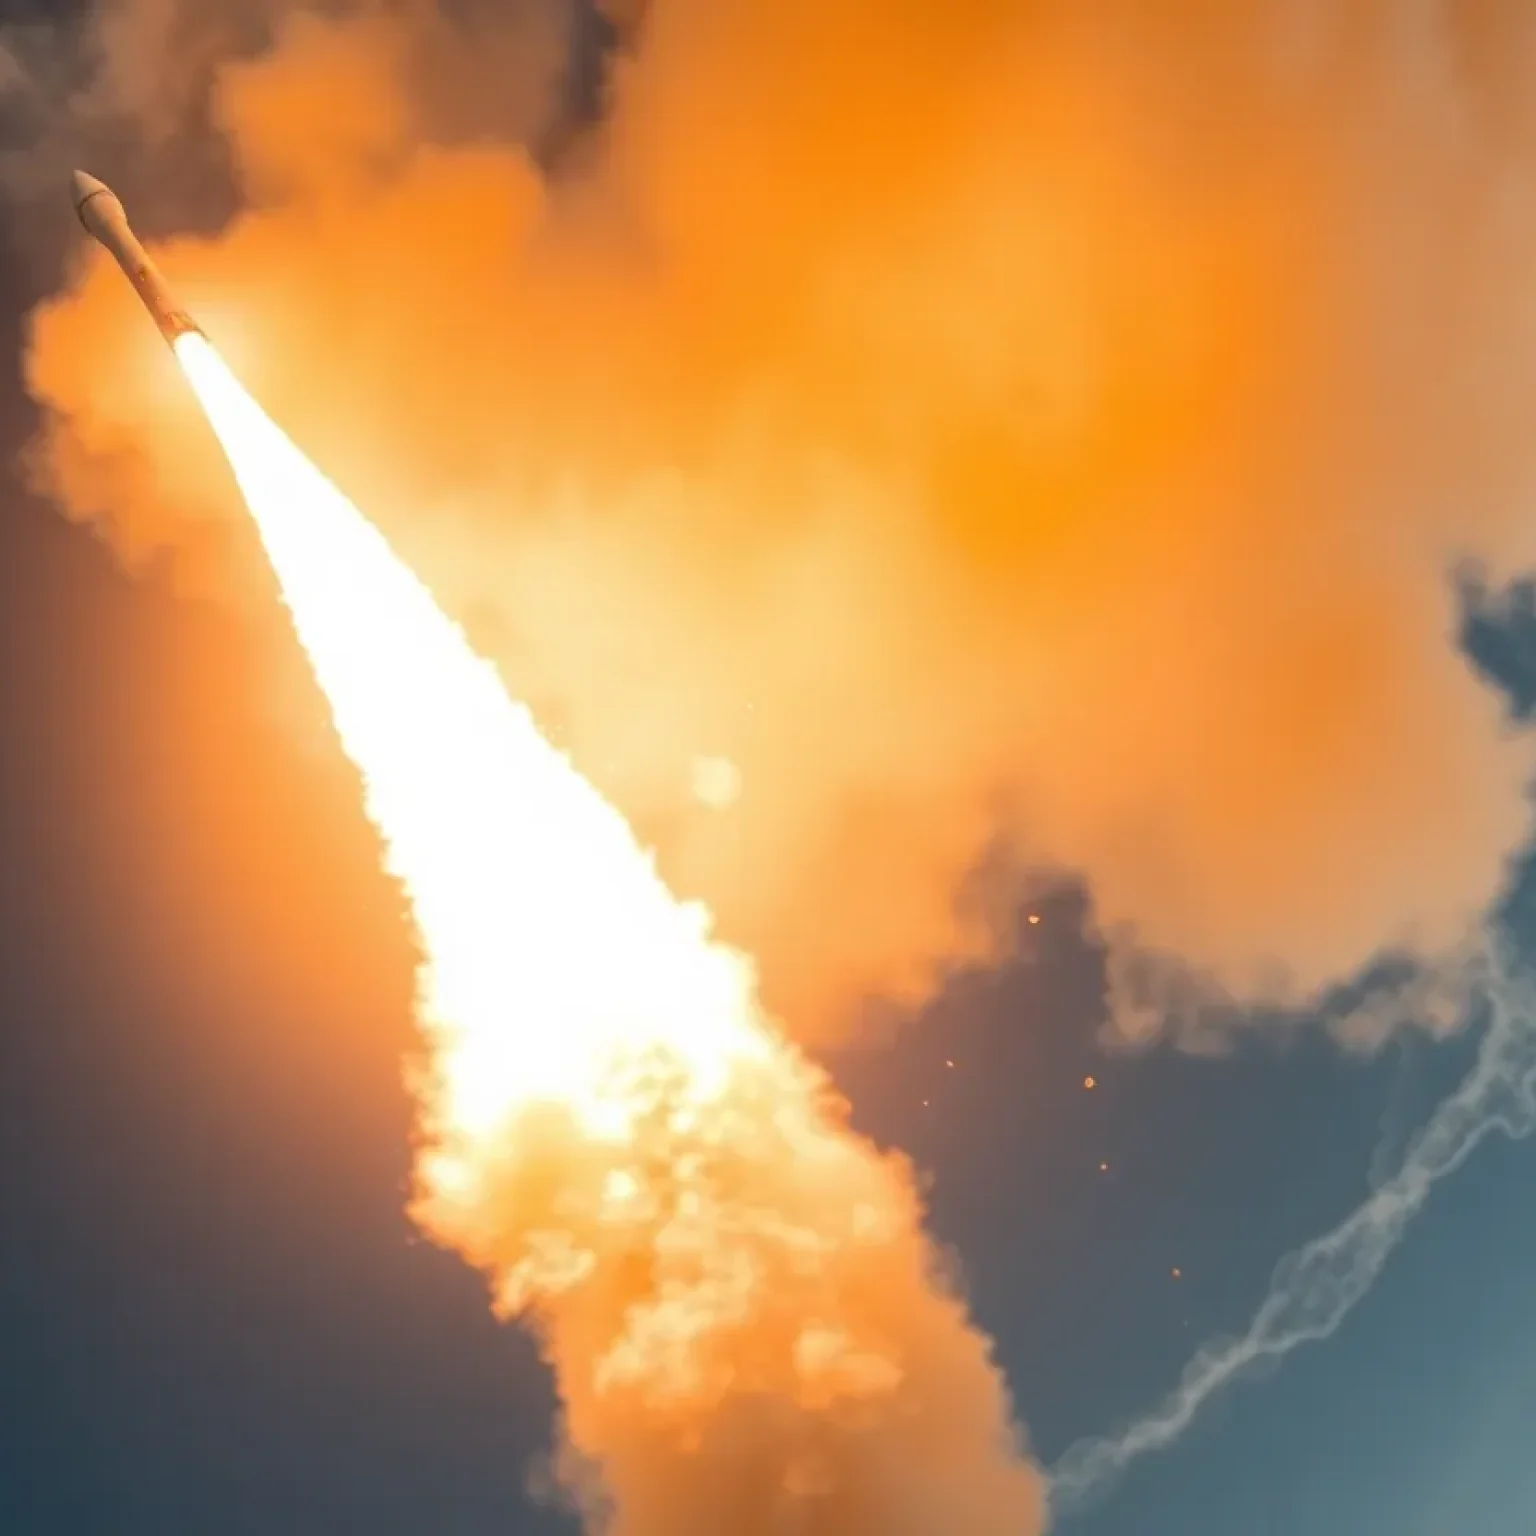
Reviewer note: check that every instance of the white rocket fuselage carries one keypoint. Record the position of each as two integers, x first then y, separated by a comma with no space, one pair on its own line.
103,217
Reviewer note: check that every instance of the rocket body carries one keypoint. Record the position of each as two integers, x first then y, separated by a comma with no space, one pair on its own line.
103,217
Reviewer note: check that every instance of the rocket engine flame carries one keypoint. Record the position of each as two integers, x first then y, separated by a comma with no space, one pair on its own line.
745,1320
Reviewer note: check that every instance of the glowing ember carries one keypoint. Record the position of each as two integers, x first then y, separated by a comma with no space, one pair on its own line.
610,1129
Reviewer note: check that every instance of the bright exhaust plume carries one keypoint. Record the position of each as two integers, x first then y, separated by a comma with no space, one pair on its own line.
745,1320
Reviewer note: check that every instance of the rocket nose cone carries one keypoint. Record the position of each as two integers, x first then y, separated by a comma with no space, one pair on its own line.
84,186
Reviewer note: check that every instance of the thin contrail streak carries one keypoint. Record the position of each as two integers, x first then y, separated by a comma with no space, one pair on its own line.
1315,1287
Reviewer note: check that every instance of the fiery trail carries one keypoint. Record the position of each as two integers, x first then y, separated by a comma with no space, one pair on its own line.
744,1318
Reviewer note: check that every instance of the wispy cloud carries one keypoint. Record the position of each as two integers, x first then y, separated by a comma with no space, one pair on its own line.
1315,1288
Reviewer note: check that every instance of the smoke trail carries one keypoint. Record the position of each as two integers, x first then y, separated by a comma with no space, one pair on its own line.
1314,1288
746,1323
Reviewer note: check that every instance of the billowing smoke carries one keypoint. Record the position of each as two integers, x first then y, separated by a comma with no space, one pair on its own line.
1048,422
746,1324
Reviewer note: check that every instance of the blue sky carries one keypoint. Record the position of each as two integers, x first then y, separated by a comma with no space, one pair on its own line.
1408,1418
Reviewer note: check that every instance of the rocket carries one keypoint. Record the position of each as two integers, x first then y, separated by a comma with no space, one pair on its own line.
103,217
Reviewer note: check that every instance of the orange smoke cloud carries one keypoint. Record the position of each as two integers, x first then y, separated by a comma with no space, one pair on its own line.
747,1326
1051,421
